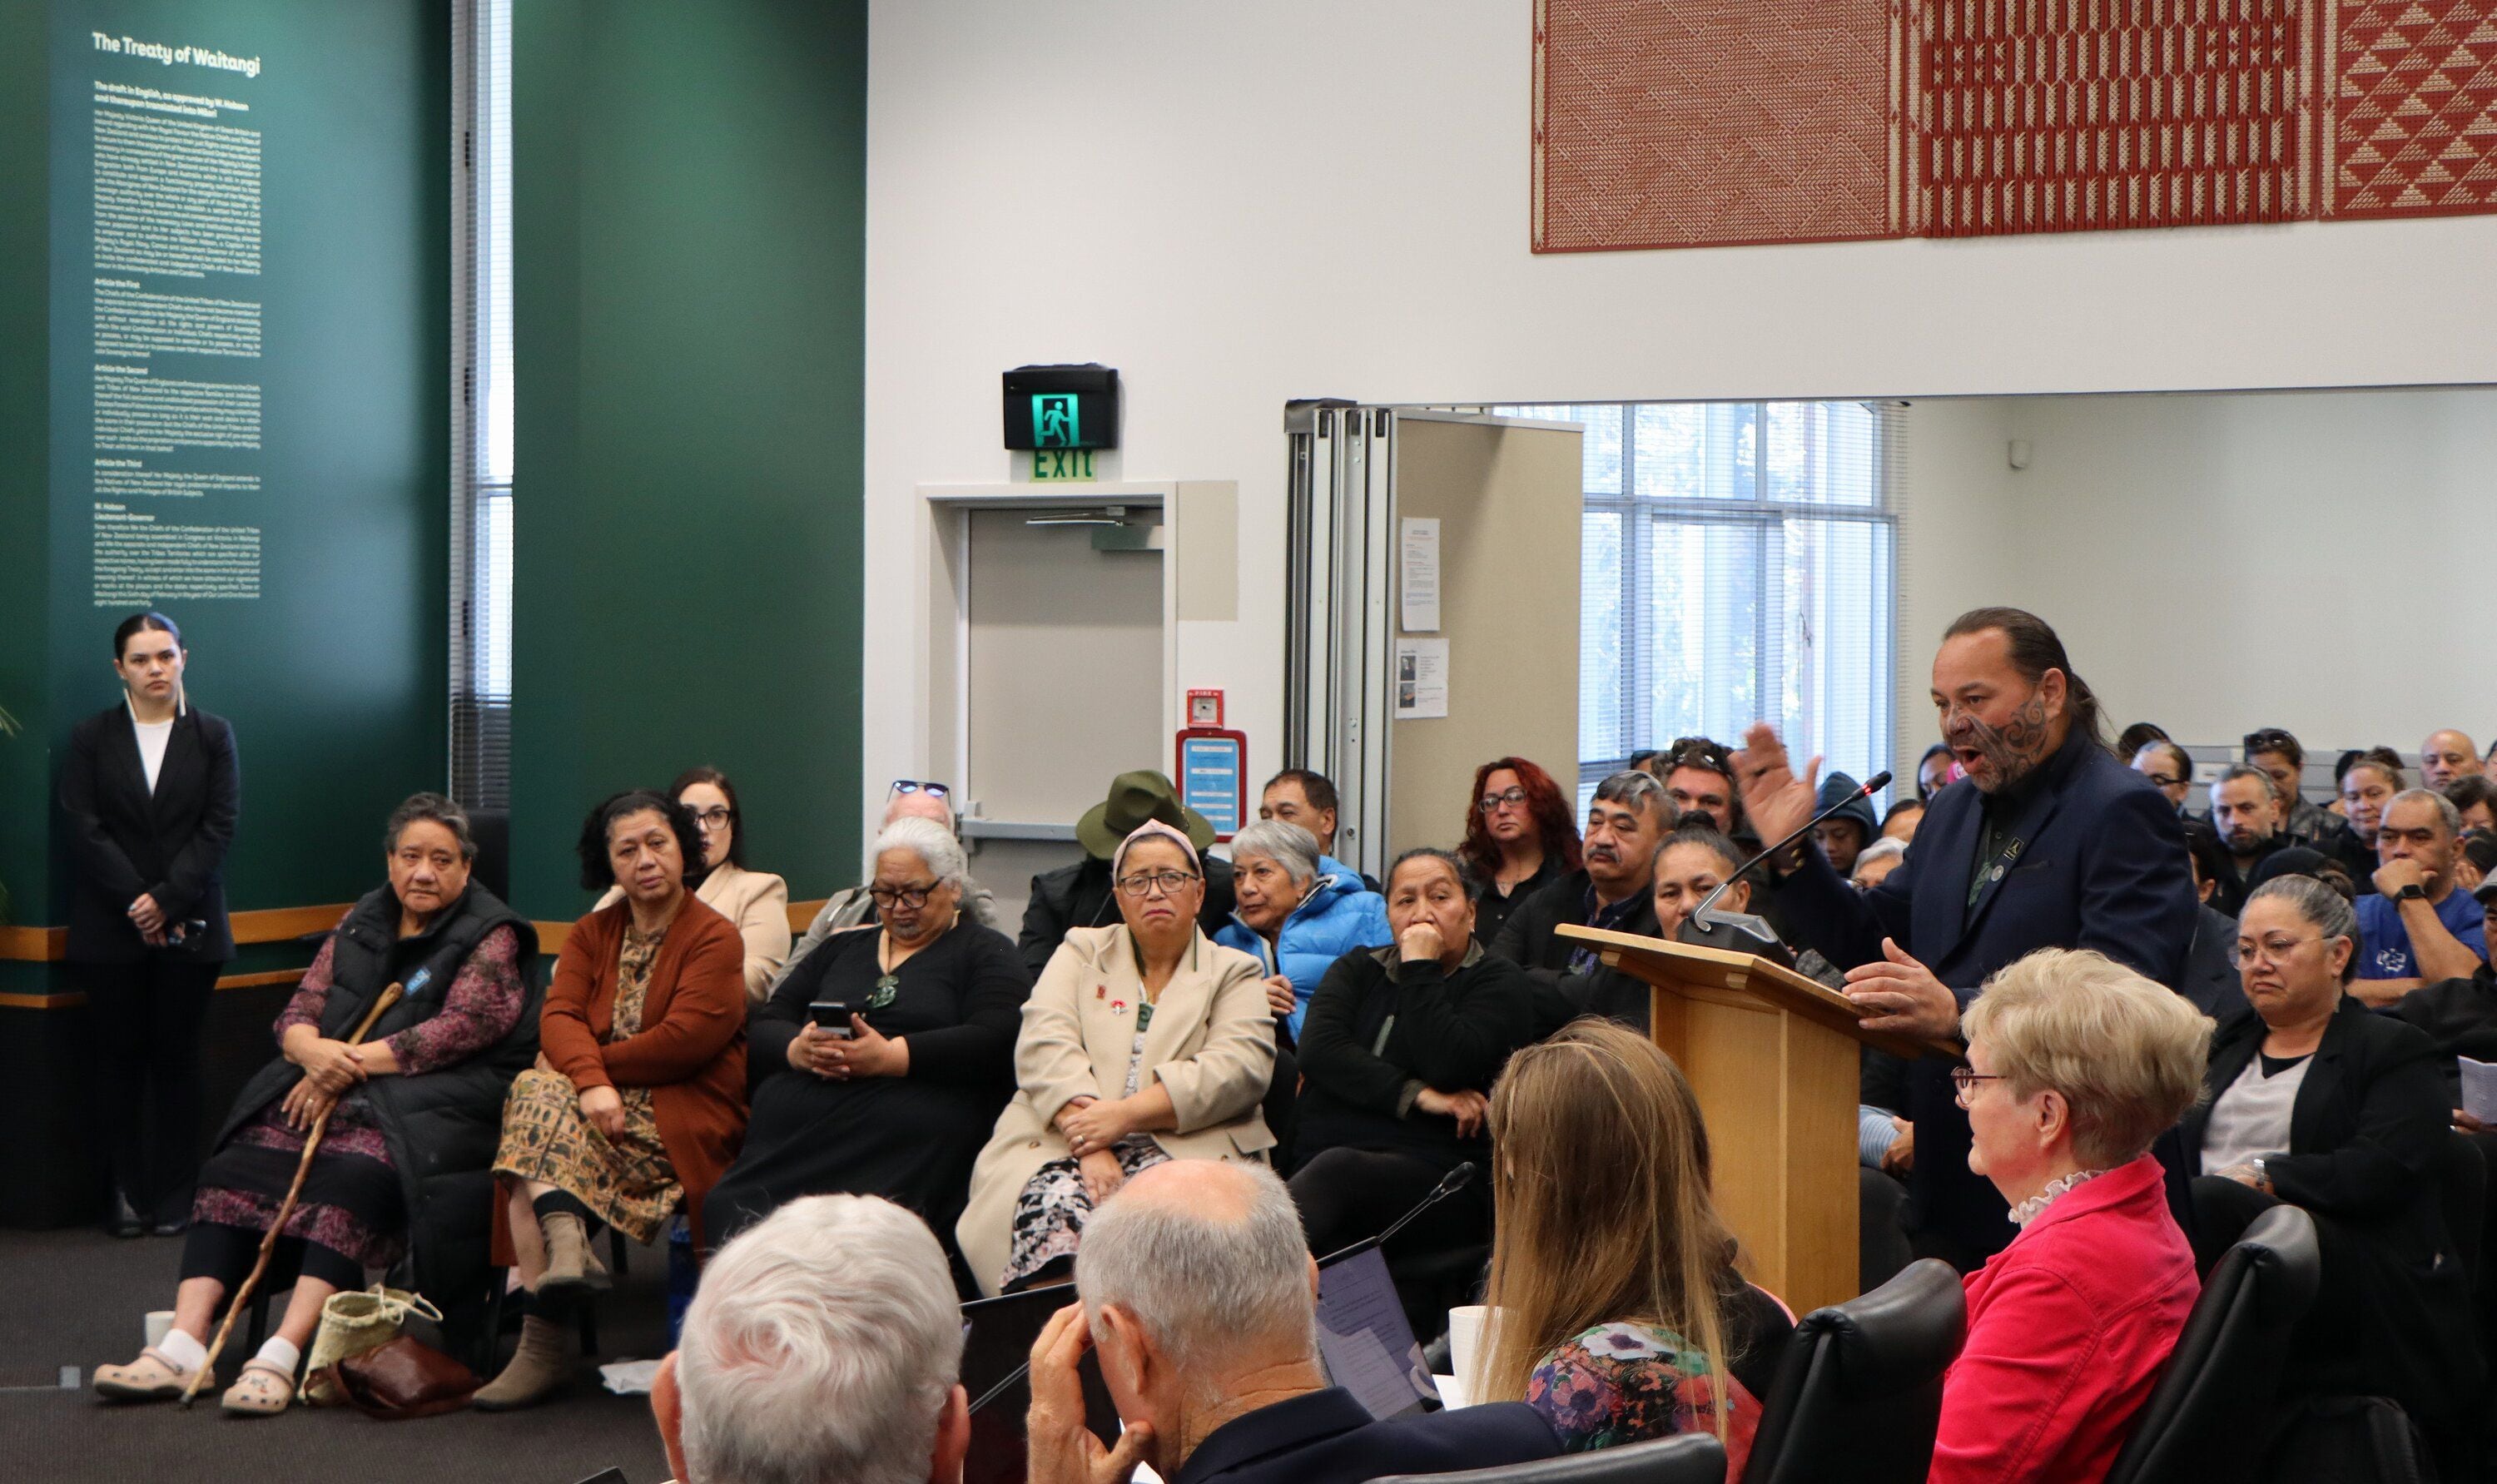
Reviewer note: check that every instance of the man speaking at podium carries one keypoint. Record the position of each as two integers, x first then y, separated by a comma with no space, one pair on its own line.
2050,841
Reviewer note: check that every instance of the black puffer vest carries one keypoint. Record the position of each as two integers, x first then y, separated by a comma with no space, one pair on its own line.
436,1122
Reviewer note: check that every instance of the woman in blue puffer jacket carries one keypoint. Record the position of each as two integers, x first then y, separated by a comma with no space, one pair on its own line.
1297,912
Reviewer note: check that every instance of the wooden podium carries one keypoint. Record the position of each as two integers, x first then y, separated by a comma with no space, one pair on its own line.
1772,1056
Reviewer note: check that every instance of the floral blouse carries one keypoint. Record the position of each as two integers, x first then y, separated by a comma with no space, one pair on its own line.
1618,1383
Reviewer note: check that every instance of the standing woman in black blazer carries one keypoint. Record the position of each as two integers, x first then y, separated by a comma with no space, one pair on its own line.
150,788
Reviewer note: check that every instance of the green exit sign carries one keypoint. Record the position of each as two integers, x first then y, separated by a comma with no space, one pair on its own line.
1051,464
1051,407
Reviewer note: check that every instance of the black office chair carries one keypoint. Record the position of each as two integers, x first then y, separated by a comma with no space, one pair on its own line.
2212,1412
1860,1390
1690,1458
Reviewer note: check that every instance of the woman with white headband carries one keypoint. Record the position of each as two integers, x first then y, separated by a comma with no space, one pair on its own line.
1143,1041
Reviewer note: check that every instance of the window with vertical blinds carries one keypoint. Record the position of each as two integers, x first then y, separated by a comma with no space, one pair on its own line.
1737,564
480,522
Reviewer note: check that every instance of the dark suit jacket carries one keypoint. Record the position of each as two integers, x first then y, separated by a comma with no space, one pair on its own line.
1527,940
2367,1137
125,843
2102,864
1327,1437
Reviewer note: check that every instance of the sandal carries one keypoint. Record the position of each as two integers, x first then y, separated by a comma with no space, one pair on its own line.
260,1390
151,1377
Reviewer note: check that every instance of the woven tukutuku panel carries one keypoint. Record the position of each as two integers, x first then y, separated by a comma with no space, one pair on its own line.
1683,123
2064,115
2411,130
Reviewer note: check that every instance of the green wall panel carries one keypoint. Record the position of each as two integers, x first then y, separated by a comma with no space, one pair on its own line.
688,226
335,674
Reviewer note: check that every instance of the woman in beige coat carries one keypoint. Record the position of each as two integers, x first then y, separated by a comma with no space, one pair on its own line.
756,901
1142,1042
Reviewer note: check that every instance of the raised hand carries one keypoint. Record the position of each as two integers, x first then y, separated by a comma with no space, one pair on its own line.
1776,800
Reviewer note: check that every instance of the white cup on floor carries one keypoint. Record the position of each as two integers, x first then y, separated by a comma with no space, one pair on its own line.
160,1323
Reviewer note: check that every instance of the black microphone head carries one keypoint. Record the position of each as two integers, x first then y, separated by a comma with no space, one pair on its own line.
1876,783
1458,1179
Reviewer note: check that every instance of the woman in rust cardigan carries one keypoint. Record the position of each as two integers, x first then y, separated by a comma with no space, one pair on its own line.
638,1100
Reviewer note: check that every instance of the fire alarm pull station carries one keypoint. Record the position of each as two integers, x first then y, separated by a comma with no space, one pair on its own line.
1212,764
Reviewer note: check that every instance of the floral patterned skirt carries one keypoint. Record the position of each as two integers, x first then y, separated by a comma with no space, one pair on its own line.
351,1204
627,1183
1050,1214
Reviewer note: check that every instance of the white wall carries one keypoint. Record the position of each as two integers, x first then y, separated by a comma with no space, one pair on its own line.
2312,561
1240,204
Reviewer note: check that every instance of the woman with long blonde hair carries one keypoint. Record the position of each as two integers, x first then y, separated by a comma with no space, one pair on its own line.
1619,1315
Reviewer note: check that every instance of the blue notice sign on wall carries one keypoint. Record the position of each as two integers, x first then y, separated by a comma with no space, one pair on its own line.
1209,772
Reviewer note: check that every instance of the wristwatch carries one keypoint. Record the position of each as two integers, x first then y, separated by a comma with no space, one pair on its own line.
2411,892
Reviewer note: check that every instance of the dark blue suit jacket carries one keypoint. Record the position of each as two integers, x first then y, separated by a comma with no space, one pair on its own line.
2100,863
1327,1437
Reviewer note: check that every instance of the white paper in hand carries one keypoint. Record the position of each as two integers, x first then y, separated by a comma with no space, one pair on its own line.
2480,1089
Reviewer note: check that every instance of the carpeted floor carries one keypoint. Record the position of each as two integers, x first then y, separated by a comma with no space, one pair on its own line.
78,1299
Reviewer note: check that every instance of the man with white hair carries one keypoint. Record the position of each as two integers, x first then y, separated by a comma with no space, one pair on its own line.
824,1343
1199,1293
851,907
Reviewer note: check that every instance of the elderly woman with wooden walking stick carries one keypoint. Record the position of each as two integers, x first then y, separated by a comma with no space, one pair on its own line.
394,1056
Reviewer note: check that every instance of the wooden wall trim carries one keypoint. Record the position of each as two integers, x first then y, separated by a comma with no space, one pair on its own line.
265,925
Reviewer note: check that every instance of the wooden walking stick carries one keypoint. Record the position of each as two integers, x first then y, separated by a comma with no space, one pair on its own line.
285,1209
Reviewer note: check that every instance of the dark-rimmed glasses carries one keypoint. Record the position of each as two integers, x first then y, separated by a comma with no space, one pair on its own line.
1964,1081
1142,883
1489,802
903,786
910,898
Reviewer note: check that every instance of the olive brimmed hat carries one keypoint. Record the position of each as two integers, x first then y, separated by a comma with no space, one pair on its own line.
1134,798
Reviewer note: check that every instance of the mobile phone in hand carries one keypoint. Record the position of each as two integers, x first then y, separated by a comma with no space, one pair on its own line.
832,1016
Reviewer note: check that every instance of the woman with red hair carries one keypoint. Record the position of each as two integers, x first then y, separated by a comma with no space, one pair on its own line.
1520,834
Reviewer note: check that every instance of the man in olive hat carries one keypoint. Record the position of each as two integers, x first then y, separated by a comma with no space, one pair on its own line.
1079,896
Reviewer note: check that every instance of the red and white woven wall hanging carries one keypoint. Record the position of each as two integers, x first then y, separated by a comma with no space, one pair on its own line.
2411,130
1685,123
1688,123
2063,116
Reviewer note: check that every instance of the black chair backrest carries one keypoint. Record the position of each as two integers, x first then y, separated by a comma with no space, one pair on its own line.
1688,1458
1860,1389
2206,1420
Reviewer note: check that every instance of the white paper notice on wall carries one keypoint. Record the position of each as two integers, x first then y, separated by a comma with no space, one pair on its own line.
1421,678
1421,570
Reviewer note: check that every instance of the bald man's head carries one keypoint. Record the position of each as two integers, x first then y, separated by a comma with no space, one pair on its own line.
2445,756
917,804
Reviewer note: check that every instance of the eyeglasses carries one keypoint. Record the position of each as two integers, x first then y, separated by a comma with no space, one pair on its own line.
715,817
2163,781
2273,950
2271,740
1145,882
903,786
1510,796
912,898
1964,1081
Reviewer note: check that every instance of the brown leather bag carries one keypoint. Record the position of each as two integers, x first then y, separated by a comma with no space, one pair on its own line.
403,1379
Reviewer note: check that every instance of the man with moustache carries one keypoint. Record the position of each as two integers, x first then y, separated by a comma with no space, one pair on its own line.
1626,820
2049,841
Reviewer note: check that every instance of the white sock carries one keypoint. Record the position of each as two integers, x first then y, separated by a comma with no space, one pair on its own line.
186,1353
281,1352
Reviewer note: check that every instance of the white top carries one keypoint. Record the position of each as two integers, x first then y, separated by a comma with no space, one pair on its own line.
2251,1116
152,738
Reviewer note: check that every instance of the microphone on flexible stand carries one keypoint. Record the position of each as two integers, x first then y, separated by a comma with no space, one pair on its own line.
1450,1184
1743,932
